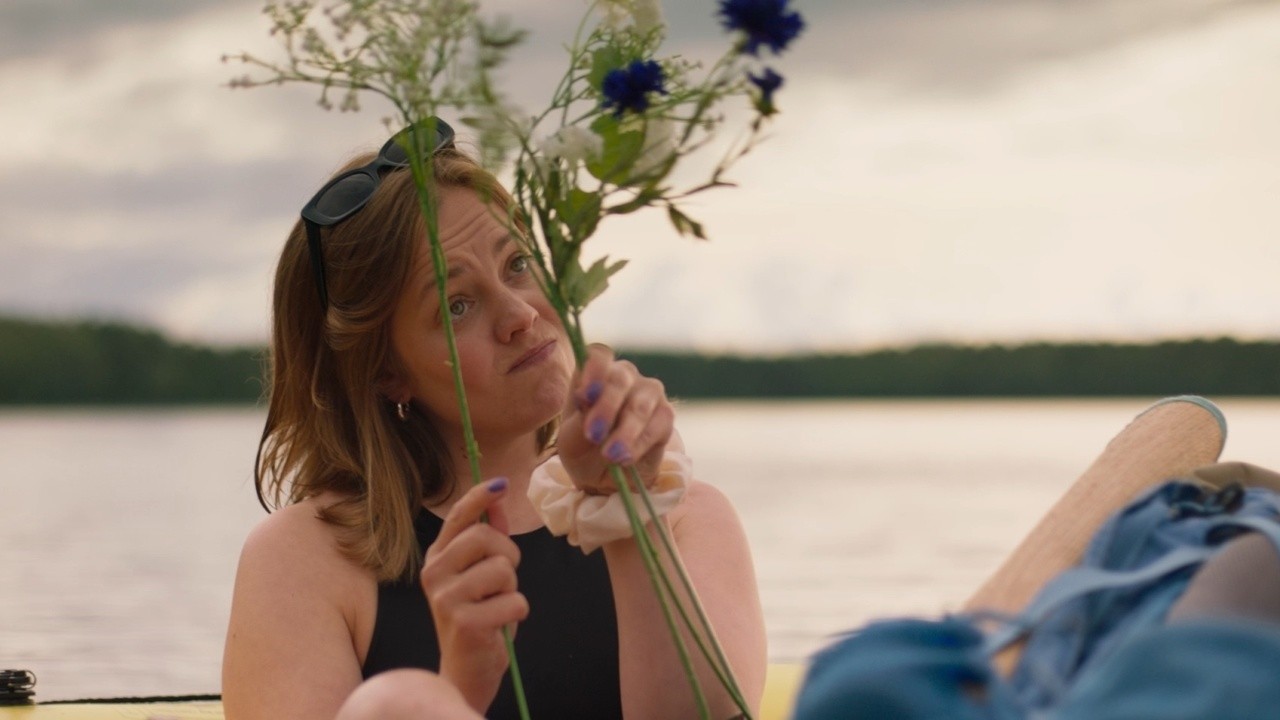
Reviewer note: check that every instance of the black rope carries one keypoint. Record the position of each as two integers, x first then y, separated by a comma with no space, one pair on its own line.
137,700
17,687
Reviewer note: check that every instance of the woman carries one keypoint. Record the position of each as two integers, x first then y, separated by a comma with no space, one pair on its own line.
377,590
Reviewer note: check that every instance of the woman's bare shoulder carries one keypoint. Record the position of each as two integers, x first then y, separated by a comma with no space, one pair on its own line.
704,504
301,617
295,540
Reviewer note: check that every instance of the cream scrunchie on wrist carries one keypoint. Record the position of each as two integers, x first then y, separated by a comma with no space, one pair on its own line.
590,521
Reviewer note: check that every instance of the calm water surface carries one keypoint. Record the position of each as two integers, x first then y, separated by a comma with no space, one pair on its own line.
119,530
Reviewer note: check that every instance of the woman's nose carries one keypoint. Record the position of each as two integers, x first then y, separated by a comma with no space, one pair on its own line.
517,316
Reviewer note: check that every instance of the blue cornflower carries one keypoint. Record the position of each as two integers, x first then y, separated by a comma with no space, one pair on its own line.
767,82
765,22
628,88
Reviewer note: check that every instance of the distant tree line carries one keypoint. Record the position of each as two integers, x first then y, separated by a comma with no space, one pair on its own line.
1207,367
49,363
91,363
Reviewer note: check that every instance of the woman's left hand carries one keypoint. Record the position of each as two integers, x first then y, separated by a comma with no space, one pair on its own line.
614,414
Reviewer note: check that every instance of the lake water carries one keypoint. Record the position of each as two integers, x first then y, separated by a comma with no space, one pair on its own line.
120,529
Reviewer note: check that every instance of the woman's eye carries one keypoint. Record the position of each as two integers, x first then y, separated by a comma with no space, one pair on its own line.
519,263
457,308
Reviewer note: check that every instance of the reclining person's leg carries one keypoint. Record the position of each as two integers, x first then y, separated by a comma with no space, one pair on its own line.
1243,580
1172,438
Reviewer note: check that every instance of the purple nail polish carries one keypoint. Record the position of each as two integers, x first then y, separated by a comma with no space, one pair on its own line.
617,453
497,485
596,432
593,392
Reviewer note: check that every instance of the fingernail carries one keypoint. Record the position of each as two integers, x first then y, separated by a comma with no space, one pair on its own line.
617,453
593,392
596,432
497,485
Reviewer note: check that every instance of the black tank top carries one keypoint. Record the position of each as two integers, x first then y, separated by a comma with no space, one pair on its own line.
567,647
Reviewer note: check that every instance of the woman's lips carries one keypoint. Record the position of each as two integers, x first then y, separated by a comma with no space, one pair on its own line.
534,356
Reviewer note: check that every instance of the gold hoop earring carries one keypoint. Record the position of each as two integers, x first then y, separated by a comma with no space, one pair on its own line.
402,411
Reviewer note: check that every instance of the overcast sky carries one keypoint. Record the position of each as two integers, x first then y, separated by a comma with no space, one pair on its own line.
971,170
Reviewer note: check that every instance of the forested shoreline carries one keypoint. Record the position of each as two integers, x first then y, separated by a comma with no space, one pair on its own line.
104,363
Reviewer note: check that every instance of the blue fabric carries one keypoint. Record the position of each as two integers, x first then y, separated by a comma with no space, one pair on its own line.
904,669
1224,670
1174,520
1096,646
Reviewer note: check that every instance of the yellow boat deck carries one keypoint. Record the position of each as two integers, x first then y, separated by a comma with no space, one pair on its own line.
780,690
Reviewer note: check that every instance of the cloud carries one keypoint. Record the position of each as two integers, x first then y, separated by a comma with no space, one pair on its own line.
196,189
974,46
957,168
190,276
43,27
1096,198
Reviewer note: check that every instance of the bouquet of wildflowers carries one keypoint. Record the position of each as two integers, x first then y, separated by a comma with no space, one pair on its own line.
621,120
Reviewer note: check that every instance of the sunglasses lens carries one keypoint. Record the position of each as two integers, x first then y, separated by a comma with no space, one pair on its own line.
346,196
394,152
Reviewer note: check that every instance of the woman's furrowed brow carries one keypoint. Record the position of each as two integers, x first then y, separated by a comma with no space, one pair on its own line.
455,270
430,284
502,243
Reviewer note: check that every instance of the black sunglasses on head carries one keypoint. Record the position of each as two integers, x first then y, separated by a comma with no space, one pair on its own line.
343,196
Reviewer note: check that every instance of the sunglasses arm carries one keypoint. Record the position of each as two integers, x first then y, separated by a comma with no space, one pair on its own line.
317,262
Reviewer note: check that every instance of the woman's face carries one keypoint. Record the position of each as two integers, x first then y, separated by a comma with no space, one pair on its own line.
516,360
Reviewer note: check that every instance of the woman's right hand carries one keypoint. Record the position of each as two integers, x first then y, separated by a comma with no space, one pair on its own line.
469,578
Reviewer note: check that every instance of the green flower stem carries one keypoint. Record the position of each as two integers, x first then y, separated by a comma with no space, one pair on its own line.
663,587
726,682
575,52
423,181
654,565
652,562
723,670
517,682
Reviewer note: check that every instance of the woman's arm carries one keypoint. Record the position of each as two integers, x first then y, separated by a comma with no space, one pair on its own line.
302,615
617,414
714,549
291,649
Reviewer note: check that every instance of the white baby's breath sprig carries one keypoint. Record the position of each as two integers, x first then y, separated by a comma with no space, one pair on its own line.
420,55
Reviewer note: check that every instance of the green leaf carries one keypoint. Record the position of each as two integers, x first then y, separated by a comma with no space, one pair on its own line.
644,197
580,212
555,240
569,284
554,177
603,60
622,143
684,224
579,287
501,33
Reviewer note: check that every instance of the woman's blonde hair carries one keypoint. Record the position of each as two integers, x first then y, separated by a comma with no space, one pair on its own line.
328,428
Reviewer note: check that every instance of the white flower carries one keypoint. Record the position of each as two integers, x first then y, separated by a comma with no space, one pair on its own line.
659,146
614,14
644,15
647,15
572,144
